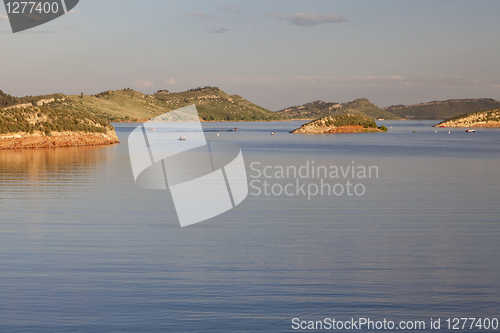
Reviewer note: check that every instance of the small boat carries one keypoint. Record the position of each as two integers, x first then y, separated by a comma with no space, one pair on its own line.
152,129
182,138
272,133
470,130
234,129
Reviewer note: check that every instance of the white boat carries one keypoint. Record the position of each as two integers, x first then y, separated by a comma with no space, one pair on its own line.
152,129
470,130
182,138
272,133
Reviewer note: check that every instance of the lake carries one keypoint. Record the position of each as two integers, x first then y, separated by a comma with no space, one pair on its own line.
83,249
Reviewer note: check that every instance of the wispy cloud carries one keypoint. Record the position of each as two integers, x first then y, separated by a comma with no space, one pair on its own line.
217,31
234,9
170,81
195,14
63,27
308,19
143,84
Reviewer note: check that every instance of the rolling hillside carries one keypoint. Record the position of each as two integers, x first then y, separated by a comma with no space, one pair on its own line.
490,118
32,123
212,103
443,109
320,109
126,105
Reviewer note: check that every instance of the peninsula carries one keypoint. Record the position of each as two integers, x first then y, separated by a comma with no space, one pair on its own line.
490,118
36,124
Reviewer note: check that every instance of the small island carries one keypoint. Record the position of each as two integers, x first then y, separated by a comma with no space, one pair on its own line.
345,123
490,118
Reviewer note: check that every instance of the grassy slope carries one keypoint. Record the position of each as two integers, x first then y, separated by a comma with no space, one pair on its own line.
321,109
126,104
45,119
214,104
211,103
470,119
7,100
329,122
443,110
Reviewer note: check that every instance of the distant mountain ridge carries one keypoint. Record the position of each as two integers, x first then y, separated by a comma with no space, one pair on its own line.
213,104
443,109
320,109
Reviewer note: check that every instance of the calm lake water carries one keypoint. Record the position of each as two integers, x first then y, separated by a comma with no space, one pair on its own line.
83,249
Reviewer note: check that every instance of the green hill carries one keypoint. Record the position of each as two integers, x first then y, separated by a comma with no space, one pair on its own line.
44,119
7,100
443,109
126,105
489,118
212,103
319,109
344,123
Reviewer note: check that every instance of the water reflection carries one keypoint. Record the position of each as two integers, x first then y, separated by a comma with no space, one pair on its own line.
60,164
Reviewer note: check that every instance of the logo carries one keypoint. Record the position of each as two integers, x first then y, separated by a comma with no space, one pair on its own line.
205,179
25,15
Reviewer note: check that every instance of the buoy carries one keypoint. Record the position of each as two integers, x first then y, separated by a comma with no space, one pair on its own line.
449,132
435,131
217,134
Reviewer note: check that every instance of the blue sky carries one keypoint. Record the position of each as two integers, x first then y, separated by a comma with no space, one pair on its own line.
274,53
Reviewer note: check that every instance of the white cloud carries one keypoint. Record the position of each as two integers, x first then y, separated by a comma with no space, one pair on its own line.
305,20
144,84
217,31
230,8
170,81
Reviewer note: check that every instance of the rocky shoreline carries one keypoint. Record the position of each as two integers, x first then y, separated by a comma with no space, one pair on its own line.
23,140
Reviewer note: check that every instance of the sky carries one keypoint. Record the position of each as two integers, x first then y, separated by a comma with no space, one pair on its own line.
275,53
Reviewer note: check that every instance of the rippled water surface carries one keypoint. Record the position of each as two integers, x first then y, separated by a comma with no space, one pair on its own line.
83,249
